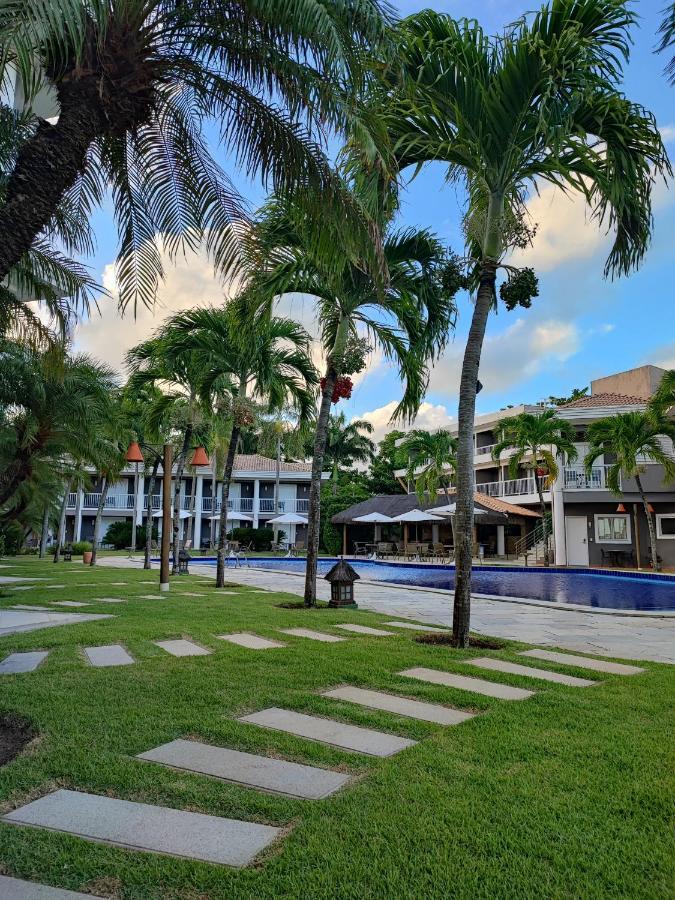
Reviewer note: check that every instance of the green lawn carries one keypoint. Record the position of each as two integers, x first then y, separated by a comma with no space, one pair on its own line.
566,794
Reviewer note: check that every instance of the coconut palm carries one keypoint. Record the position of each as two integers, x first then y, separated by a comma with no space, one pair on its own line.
536,440
663,400
347,443
667,39
135,81
539,103
409,318
267,360
432,457
629,440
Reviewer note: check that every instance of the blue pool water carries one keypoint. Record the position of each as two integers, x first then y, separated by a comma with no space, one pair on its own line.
579,587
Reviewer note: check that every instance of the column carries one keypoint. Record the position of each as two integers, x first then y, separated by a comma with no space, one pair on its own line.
77,526
558,510
139,498
434,533
501,540
197,529
256,501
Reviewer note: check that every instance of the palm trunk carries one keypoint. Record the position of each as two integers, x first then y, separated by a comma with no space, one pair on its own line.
47,165
62,522
214,491
277,480
97,521
227,478
650,524
334,485
148,518
542,506
180,466
44,534
190,521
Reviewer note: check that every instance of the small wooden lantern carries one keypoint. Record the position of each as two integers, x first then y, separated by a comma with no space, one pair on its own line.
183,562
68,554
341,578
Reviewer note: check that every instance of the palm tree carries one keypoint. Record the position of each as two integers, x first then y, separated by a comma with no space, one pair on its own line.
409,318
663,400
629,440
346,444
282,434
667,32
265,360
135,81
536,441
539,103
432,457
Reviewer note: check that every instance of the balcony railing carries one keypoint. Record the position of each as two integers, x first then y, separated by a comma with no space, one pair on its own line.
112,501
511,488
575,478
485,450
125,503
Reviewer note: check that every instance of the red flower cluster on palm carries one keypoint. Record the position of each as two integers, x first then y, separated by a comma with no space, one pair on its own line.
342,389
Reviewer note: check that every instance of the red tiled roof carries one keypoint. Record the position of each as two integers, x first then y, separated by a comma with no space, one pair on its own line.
502,506
254,462
604,399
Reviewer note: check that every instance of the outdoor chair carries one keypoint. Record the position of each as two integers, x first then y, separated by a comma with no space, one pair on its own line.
299,547
360,548
439,551
385,548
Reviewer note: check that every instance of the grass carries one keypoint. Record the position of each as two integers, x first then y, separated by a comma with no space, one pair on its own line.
563,795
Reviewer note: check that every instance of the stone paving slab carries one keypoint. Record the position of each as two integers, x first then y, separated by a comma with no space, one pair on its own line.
414,626
583,662
69,603
154,596
328,731
109,600
118,583
313,635
17,621
276,775
402,706
365,629
55,587
16,579
140,826
16,889
182,648
30,606
500,665
475,685
22,662
108,655
24,587
189,594
251,641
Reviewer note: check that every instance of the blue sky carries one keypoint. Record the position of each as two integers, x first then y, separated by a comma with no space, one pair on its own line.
580,327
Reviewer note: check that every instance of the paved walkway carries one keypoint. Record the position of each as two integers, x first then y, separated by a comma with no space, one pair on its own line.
623,636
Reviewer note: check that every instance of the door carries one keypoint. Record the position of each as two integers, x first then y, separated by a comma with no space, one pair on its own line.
576,530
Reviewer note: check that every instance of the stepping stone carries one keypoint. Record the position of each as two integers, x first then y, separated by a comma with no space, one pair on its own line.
34,608
328,731
108,655
414,709
251,641
16,889
275,775
476,685
365,629
413,626
189,594
500,665
154,596
583,662
313,635
118,583
23,587
108,600
54,587
140,826
69,603
22,662
182,648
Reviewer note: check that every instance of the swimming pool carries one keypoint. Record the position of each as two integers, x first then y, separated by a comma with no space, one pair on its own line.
579,587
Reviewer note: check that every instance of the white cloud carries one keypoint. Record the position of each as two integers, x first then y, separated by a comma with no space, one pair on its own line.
663,356
667,133
430,417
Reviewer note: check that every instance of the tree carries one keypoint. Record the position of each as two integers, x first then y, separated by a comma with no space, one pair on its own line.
667,40
346,444
577,394
266,360
282,434
388,459
630,439
663,401
539,103
432,457
134,83
409,318
536,440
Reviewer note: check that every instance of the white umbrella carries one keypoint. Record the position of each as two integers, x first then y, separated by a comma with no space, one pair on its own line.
375,518
231,517
288,519
416,515
451,508
183,514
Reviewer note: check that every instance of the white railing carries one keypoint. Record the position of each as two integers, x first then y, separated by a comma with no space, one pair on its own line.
576,478
264,505
485,450
112,501
511,488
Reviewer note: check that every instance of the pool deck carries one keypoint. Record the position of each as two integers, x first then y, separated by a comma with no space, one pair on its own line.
649,637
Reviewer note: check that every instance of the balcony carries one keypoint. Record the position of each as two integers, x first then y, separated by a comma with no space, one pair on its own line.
514,487
484,451
122,502
264,506
575,478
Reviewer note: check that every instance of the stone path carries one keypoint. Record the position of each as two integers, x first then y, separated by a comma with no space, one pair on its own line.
16,889
16,663
313,635
30,606
463,683
108,655
402,706
182,648
140,826
414,626
108,600
583,662
69,603
365,629
328,731
261,772
500,665
15,621
251,641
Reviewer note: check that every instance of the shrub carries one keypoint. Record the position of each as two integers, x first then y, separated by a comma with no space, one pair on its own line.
11,539
80,547
261,538
119,535
331,504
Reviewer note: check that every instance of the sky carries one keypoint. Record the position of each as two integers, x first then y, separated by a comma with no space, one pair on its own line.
580,327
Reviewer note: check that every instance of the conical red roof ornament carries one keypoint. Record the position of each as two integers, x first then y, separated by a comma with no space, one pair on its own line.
134,454
200,458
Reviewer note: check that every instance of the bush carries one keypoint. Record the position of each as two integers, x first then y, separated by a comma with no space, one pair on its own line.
119,535
331,504
261,538
80,547
11,539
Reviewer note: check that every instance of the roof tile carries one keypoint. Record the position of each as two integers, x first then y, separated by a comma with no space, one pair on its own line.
254,462
604,399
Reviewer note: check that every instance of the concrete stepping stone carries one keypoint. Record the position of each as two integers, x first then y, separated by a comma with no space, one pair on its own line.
276,775
109,600
189,594
55,587
251,641
476,685
402,706
414,626
365,629
313,635
500,665
23,587
182,648
140,826
108,655
69,603
118,583
328,731
154,596
22,662
17,889
583,662
34,608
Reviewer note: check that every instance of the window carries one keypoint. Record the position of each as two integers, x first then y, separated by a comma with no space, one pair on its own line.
612,529
665,526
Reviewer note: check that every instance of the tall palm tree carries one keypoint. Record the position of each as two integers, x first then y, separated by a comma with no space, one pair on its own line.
663,400
409,318
432,457
266,360
629,440
541,102
667,39
536,440
347,443
134,82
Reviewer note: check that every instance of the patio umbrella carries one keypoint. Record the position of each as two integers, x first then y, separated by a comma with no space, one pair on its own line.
415,516
183,514
375,518
288,519
451,508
